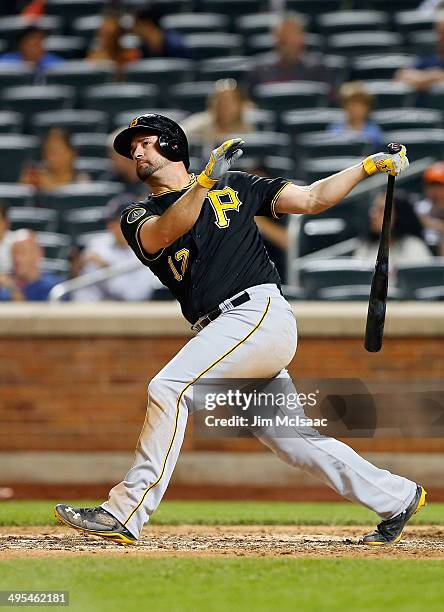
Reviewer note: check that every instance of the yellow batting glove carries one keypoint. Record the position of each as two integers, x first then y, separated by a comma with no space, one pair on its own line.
221,160
386,162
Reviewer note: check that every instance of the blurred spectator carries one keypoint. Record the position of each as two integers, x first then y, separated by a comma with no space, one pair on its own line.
225,115
26,282
431,208
407,244
56,167
357,104
428,70
107,43
6,240
157,42
289,62
124,171
112,249
30,48
429,6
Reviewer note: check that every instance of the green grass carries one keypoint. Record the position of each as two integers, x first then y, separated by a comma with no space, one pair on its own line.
225,513
212,585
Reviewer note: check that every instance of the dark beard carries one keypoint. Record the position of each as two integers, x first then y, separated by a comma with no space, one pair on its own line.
145,172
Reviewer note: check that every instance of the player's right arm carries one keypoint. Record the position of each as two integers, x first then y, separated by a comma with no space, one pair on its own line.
157,233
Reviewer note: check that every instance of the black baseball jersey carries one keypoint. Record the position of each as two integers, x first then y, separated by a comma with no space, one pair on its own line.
223,253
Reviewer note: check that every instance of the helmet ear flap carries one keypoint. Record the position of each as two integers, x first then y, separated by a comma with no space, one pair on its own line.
170,147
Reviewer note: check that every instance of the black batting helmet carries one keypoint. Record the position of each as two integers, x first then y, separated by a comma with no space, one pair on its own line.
172,139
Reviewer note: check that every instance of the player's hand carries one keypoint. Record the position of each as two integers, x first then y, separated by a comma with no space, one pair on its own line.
221,160
385,162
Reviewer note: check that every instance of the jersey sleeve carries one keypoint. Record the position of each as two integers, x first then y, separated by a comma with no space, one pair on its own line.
265,193
131,221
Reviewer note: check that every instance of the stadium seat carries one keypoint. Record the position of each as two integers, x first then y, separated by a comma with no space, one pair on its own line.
264,43
297,122
264,120
420,142
413,278
377,67
12,74
408,118
96,167
261,144
72,120
71,9
361,43
11,26
91,145
124,118
16,150
214,44
55,246
115,97
231,67
395,5
326,144
314,7
83,221
335,225
411,21
234,8
81,74
317,275
315,169
68,47
281,97
191,97
31,217
389,94
435,96
10,122
422,43
345,293
193,23
17,195
165,7
162,72
352,21
430,293
81,195
87,27
260,23
30,99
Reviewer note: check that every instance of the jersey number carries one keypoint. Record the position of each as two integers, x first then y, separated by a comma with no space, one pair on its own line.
223,200
180,256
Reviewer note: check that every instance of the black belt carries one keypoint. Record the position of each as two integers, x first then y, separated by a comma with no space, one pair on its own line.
227,305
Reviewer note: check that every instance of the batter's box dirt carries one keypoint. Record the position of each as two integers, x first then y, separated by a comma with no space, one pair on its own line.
200,540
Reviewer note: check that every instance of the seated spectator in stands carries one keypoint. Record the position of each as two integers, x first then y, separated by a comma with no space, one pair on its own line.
27,281
30,48
123,171
407,244
157,42
225,115
56,167
357,104
6,240
428,71
107,43
431,208
289,62
112,249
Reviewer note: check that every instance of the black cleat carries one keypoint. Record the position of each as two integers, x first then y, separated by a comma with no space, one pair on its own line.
390,531
94,521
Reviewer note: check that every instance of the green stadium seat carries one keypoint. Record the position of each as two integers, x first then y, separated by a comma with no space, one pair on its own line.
377,67
261,23
72,120
17,195
193,23
430,294
352,21
361,43
231,67
264,120
116,97
214,44
264,43
15,151
326,144
314,7
30,99
10,122
96,167
71,9
33,218
192,97
408,118
435,96
389,94
68,47
316,169
338,224
83,221
281,97
81,74
420,142
412,21
260,144
12,25
421,43
12,74
413,278
81,195
234,8
55,246
296,122
345,293
160,71
124,118
317,275
87,27
91,145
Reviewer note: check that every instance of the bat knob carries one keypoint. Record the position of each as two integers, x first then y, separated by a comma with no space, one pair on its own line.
394,148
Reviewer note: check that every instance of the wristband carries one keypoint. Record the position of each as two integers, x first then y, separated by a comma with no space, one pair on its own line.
205,181
369,165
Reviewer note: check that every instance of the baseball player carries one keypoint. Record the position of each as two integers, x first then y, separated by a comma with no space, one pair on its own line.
198,235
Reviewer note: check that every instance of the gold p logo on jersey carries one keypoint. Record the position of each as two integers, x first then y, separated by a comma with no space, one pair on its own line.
133,122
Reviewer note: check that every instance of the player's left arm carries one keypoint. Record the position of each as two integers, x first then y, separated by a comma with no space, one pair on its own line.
321,195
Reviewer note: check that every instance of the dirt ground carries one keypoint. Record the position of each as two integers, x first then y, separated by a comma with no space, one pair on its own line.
419,542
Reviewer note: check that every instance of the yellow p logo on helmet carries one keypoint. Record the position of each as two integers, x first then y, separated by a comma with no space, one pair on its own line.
133,122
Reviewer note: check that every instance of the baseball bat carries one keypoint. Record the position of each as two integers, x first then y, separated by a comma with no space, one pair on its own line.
374,329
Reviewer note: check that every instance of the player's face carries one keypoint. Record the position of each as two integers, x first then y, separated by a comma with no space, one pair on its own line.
145,152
